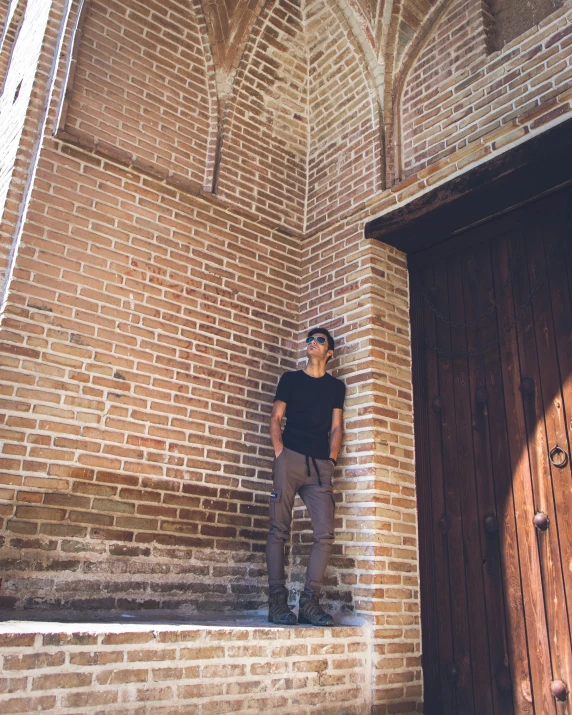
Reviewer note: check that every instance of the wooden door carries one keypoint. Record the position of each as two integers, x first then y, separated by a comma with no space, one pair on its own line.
492,356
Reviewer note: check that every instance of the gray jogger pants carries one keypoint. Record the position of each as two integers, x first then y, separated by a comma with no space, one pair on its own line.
290,476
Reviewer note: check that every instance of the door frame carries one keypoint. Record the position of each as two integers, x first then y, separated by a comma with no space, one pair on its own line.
538,167
508,180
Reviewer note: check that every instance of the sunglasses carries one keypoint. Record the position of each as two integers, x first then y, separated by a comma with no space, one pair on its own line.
319,339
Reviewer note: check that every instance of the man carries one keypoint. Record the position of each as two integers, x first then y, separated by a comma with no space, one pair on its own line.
305,460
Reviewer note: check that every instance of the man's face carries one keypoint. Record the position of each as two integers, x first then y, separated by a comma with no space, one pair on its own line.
317,348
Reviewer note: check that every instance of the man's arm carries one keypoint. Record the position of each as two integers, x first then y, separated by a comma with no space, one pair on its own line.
278,410
336,433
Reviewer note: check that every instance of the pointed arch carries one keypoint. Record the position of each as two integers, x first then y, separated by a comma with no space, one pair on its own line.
414,46
366,42
429,63
397,68
265,123
345,162
364,35
143,88
287,175
229,29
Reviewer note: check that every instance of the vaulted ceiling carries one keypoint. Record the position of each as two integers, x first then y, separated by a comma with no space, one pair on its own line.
230,22
389,28
396,19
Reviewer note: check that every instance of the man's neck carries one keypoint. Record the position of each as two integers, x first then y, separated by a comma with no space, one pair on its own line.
315,368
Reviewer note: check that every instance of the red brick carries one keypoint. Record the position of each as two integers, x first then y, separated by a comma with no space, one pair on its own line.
35,660
28,704
114,677
16,640
57,681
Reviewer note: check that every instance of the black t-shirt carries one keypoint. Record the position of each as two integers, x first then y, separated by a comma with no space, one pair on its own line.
309,404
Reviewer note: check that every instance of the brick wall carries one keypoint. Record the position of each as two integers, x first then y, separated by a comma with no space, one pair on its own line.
344,161
360,290
144,334
457,97
513,18
145,331
147,322
162,670
303,93
144,83
265,129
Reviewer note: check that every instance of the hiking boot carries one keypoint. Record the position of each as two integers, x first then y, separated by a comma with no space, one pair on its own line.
278,611
312,612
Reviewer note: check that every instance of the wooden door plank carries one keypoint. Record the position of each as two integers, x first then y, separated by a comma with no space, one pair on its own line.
473,558
560,289
539,651
506,512
430,563
546,425
441,568
477,283
534,412
458,584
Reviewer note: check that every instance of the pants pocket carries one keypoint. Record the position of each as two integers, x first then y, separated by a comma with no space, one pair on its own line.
275,497
327,470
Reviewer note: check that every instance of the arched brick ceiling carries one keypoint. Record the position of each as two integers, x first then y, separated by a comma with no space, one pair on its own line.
391,22
413,15
412,21
229,23
390,27
366,11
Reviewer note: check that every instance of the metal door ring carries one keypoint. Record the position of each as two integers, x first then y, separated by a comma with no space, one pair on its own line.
563,457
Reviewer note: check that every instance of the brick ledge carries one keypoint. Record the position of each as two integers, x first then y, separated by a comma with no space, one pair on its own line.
183,668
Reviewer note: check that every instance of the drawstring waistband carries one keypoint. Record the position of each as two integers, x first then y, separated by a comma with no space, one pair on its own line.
315,467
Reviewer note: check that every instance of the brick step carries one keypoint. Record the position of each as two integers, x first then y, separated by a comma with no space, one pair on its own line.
168,664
